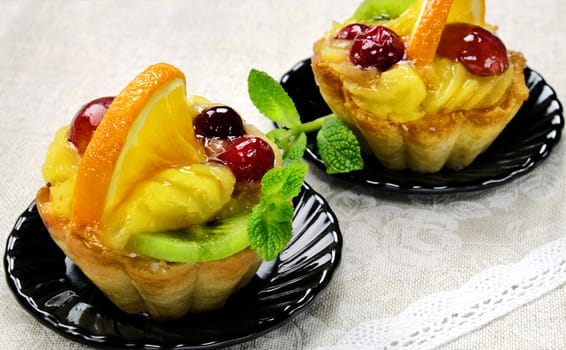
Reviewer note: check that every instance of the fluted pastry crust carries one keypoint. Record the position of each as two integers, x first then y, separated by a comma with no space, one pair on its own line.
137,284
428,144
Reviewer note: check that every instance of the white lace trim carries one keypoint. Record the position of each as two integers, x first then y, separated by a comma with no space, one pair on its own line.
440,318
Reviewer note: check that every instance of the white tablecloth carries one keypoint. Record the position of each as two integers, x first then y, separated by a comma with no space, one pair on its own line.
407,259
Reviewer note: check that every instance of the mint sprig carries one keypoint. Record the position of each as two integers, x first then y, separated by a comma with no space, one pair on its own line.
270,222
339,148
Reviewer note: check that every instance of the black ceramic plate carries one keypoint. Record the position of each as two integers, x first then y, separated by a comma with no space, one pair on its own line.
526,141
54,290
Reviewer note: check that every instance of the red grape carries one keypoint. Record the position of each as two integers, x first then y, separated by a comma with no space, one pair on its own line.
479,50
249,158
86,120
350,31
377,47
219,121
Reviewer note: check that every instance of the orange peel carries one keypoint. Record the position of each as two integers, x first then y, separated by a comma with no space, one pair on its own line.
427,32
121,132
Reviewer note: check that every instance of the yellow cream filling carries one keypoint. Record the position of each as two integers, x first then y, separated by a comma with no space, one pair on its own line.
60,172
400,93
171,199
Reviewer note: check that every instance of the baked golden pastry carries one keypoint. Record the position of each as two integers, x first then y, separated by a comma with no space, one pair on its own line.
133,170
162,289
417,91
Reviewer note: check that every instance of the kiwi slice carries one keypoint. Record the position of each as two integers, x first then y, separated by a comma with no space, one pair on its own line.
381,9
213,241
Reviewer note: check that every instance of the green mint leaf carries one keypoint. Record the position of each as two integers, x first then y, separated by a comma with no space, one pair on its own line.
271,100
284,182
381,9
270,226
338,147
295,150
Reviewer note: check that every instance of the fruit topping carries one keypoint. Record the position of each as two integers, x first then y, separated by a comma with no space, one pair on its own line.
350,31
427,31
219,121
86,121
467,11
377,47
480,51
213,241
249,158
140,134
381,9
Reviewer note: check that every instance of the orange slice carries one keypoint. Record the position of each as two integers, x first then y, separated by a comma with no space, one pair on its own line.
427,31
148,127
468,11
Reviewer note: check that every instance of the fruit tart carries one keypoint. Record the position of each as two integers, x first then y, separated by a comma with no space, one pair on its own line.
149,193
425,84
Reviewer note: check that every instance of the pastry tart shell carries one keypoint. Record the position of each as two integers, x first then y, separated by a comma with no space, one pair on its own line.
136,284
452,140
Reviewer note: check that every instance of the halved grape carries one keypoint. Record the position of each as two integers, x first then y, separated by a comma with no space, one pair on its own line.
350,31
479,50
86,120
219,121
249,158
378,47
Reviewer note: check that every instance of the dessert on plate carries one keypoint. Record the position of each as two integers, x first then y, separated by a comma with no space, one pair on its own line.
425,84
149,193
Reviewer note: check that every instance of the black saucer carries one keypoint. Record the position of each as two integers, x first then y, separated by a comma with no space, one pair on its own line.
55,291
526,141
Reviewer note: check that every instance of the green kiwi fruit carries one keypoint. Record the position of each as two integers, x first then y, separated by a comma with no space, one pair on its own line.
213,241
381,9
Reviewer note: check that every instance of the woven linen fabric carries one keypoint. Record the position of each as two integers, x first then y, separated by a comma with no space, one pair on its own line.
398,249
